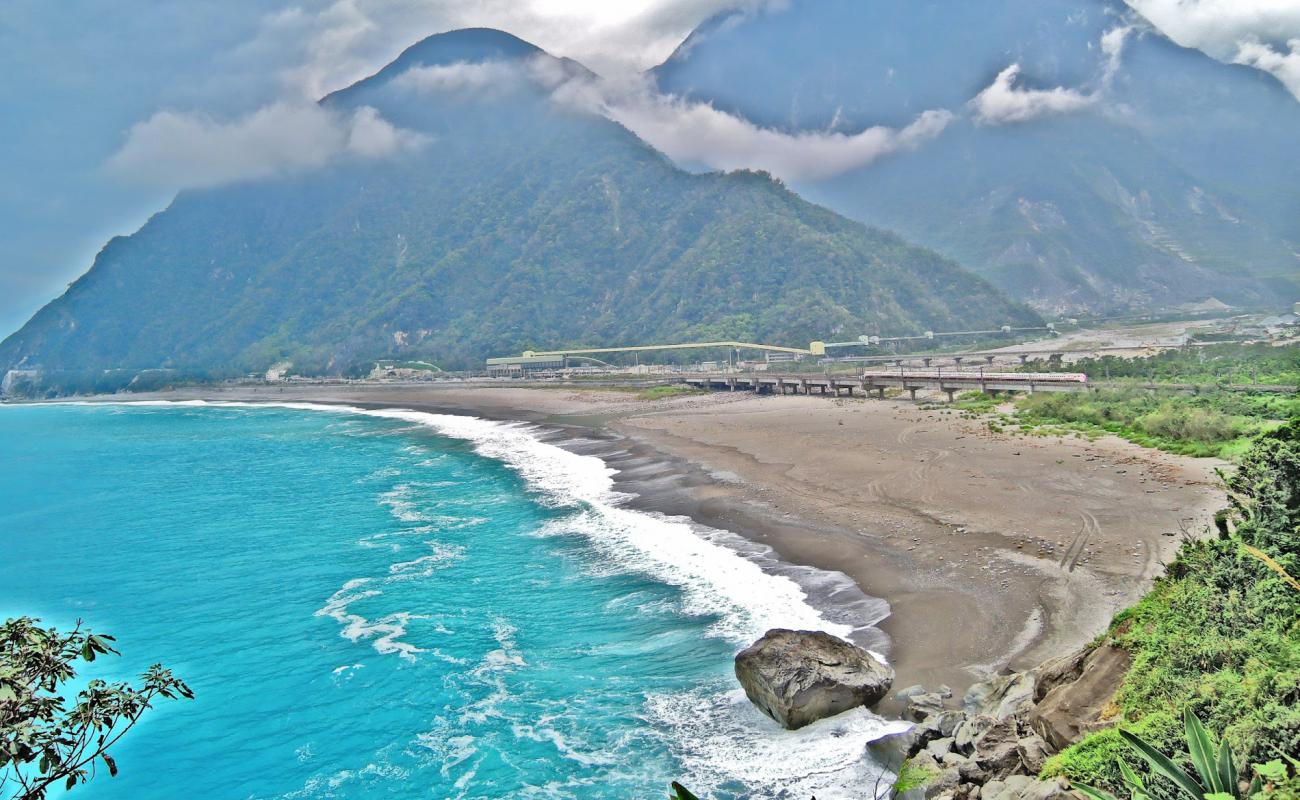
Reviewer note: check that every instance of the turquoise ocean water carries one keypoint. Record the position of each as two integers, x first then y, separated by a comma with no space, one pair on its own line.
399,604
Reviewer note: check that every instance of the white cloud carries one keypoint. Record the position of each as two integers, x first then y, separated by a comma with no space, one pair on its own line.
184,150
1002,103
318,46
1264,34
458,77
1284,65
698,133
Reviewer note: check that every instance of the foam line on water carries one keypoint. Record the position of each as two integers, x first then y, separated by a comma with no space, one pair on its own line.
717,572
714,578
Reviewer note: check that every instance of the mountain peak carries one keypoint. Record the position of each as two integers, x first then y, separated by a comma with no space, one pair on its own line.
465,45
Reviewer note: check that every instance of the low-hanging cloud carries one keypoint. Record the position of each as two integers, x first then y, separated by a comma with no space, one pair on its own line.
1004,103
189,150
1264,34
688,132
699,133
459,77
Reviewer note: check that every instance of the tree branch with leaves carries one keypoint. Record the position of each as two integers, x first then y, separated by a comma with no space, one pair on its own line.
45,740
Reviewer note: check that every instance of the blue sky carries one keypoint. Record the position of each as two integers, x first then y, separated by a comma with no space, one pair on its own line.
78,75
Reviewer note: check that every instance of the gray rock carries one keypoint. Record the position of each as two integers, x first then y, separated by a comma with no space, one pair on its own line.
798,677
1001,696
970,731
911,691
921,706
1054,789
997,750
1009,788
953,759
945,782
946,722
1024,787
1033,752
971,772
1075,694
939,747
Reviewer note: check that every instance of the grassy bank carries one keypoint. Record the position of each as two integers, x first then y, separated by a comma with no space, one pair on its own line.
1213,423
1220,632
1219,418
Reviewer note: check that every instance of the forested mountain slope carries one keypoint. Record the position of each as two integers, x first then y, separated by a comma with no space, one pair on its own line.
1125,172
518,221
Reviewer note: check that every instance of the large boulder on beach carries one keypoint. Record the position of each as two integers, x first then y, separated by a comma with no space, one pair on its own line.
798,677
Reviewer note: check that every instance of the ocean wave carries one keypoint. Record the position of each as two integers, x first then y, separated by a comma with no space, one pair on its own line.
386,632
724,742
715,576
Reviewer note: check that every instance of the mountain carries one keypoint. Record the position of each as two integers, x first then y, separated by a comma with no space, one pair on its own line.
1174,179
520,221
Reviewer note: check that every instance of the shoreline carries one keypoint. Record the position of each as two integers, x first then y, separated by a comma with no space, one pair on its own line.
880,491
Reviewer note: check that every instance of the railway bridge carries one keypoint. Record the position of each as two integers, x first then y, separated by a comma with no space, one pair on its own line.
947,381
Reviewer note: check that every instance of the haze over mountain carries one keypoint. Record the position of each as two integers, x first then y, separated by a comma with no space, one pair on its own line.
1089,163
453,206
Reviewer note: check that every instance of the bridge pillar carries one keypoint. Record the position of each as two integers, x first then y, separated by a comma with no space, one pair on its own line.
988,359
927,360
731,384
806,389
958,359
1024,358
880,392
950,393
912,391
850,388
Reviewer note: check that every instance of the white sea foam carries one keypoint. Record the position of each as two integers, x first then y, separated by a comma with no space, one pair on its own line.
723,740
705,565
714,578
386,632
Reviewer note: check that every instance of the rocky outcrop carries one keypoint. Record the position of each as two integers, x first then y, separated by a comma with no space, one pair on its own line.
1075,694
993,744
798,677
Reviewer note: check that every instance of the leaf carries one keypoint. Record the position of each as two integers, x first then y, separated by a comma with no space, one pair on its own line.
682,793
1091,793
112,765
1256,786
1202,751
1162,765
1137,789
1228,770
1271,771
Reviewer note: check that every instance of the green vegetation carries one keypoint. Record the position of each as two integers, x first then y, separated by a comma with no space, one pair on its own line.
666,392
1212,420
46,743
1217,776
1227,363
1217,423
1219,634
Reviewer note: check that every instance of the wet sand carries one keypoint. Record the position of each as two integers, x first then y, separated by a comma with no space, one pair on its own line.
994,550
